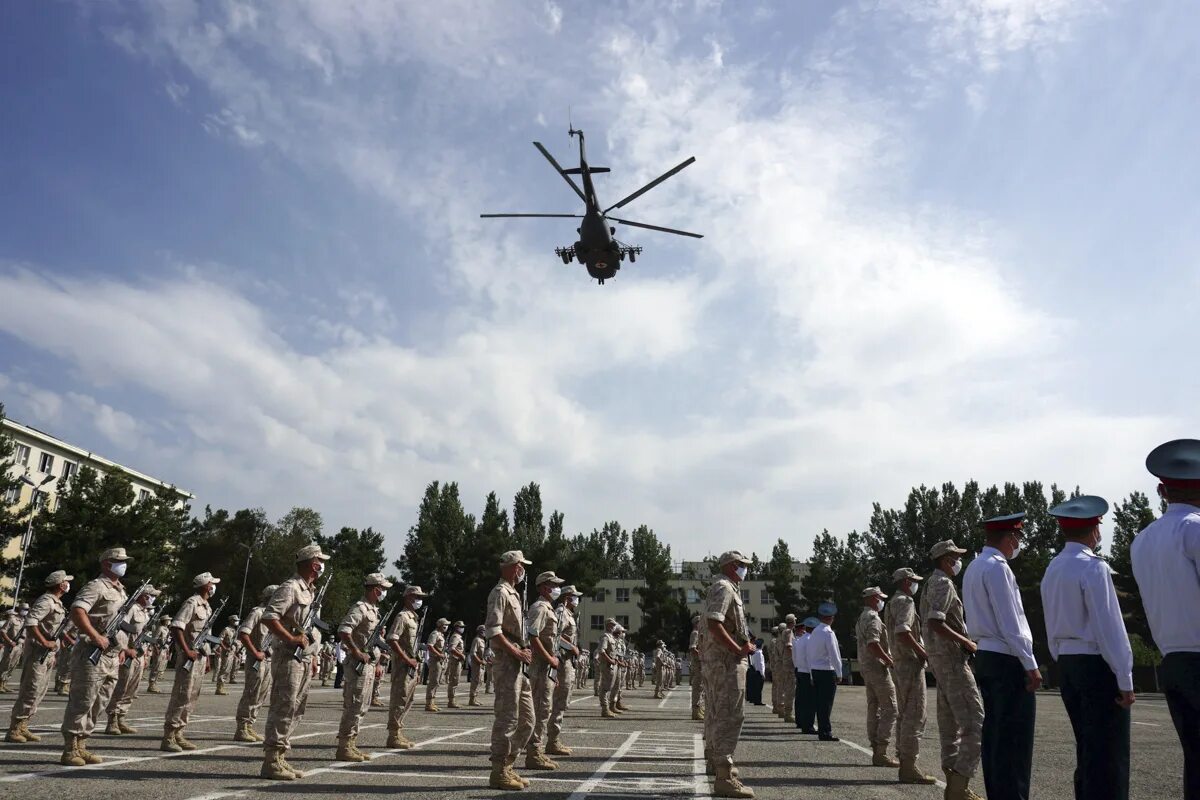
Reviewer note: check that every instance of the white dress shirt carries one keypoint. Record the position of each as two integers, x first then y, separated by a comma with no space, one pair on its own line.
800,652
823,652
995,614
1082,613
757,661
1166,564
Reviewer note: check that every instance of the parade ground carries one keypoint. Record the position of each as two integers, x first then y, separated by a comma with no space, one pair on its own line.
653,750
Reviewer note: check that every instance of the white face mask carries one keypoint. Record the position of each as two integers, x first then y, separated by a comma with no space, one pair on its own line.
555,593
458,630
118,568
67,589
572,601
212,591
520,575
149,602
741,572
320,567
1016,552
956,568
417,604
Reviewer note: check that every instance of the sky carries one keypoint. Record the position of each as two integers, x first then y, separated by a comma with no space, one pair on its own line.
240,250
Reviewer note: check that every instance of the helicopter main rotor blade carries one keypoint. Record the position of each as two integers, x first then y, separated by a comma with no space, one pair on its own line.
657,228
560,170
570,216
650,185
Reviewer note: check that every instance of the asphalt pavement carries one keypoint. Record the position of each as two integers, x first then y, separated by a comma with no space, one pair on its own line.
654,750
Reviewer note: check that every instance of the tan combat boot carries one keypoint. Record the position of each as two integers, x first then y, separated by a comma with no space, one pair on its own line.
910,774
283,760
122,727
557,748
450,702
510,768
606,712
398,741
956,786
29,735
619,707
183,743
81,749
354,746
111,729
728,785
272,766
220,689
501,778
70,755
536,759
151,688
168,744
15,735
244,734
345,752
880,757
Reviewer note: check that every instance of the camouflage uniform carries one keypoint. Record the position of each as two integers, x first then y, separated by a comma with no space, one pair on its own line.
290,678
543,624
92,686
695,641
437,667
881,692
9,653
568,631
454,667
62,665
226,657
478,667
358,624
46,615
257,686
513,724
404,678
129,676
900,616
959,705
724,673
158,655
190,619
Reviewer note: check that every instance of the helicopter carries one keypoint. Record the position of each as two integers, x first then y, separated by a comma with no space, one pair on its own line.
597,248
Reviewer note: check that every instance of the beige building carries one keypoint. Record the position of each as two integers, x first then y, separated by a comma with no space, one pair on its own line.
40,456
618,598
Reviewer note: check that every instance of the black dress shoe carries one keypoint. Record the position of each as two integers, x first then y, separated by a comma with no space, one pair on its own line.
828,738
808,731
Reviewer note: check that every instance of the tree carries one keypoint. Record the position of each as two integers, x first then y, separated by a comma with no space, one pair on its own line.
657,599
782,579
1130,517
354,554
529,527
432,553
96,511
12,521
837,573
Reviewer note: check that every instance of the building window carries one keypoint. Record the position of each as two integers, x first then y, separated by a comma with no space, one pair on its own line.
623,595
143,495
745,595
598,597
22,455
597,622
46,463
12,495
623,621
693,596
766,625
69,468
765,597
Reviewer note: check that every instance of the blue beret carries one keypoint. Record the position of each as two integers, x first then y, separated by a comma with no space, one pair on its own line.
1175,461
811,622
827,610
1085,507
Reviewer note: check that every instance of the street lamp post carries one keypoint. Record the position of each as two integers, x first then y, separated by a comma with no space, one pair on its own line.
246,572
27,539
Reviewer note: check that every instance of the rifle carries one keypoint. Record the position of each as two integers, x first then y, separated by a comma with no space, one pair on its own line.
266,651
313,619
420,628
118,622
139,644
376,640
58,632
204,635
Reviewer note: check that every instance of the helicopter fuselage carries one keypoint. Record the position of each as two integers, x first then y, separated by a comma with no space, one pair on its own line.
596,248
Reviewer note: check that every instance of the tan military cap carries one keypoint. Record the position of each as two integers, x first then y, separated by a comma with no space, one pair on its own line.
267,592
610,621
415,591
234,618
480,628
23,607
204,579
729,556
377,579
905,574
150,590
115,554
309,552
513,557
57,577
873,591
570,589
791,617
548,577
442,621
941,548
460,624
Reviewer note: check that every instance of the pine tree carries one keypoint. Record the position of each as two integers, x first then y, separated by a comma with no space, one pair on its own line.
781,580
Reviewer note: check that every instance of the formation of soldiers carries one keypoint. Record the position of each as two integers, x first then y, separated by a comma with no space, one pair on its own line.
977,644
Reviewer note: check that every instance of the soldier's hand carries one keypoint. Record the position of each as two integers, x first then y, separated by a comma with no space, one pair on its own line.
1126,699
525,656
299,640
553,662
1034,680
970,647
192,654
889,662
102,641
748,648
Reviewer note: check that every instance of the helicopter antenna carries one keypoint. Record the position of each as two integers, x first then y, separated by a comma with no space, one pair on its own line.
570,125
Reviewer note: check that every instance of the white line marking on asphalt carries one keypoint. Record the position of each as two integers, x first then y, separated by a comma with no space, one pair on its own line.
861,749
604,768
1149,724
699,779
666,698
136,759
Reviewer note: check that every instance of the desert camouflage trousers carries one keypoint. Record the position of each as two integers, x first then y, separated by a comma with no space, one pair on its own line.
909,677
725,701
881,703
959,712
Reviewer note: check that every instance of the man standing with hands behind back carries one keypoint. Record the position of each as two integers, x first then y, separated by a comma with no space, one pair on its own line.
726,645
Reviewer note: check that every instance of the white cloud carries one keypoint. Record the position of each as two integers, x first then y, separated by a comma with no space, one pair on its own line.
229,124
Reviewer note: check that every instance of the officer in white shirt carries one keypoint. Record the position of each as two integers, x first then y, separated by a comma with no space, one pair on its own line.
805,712
825,666
1166,564
1088,640
1005,669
